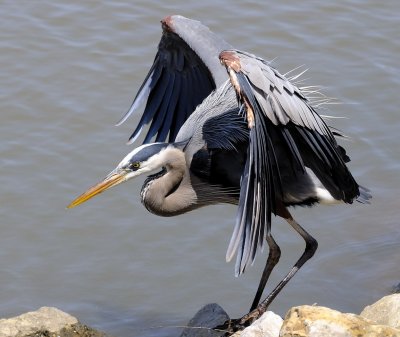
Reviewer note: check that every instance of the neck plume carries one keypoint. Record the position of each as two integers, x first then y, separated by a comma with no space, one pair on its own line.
169,192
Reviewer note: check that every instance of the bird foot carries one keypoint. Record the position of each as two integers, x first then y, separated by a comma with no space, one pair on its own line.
233,325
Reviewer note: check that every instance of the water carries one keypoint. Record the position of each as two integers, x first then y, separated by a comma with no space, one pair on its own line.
69,70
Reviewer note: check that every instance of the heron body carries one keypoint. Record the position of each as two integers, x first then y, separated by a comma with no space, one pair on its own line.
239,132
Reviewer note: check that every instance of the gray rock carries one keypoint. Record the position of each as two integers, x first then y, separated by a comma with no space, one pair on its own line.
206,318
45,322
386,311
396,289
268,325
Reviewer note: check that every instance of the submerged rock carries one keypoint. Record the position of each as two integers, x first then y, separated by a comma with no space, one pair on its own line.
46,322
314,321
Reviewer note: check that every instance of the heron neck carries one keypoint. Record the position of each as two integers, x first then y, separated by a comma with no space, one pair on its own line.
171,193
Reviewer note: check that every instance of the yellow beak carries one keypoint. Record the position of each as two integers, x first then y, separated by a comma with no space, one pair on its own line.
110,181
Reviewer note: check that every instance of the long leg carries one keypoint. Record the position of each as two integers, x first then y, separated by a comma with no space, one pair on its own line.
311,246
273,258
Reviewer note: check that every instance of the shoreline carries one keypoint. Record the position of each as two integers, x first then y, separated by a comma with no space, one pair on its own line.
380,319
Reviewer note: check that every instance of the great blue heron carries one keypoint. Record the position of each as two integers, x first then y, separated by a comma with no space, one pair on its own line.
240,134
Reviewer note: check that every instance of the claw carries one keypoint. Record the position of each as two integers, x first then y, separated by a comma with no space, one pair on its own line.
233,325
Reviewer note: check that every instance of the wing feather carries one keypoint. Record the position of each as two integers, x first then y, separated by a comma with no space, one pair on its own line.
144,90
162,103
259,187
166,126
285,131
153,104
187,54
182,105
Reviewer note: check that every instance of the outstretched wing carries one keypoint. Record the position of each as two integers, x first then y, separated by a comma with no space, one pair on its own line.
283,127
186,69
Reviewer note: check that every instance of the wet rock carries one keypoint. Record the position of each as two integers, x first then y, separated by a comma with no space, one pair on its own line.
268,325
211,315
314,321
386,311
46,322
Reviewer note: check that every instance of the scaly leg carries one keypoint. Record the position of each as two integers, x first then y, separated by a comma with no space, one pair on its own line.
272,261
234,325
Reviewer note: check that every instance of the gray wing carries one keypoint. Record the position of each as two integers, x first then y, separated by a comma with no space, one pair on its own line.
186,69
285,135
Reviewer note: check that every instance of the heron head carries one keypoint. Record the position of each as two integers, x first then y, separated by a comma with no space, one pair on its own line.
144,159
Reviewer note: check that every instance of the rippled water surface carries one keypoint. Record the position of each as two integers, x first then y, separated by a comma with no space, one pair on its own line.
69,70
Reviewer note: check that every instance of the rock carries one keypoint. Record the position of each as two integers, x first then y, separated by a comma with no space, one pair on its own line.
49,319
268,325
386,311
211,315
396,289
45,322
314,321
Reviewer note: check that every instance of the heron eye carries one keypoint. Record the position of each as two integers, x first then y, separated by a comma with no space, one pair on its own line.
135,165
